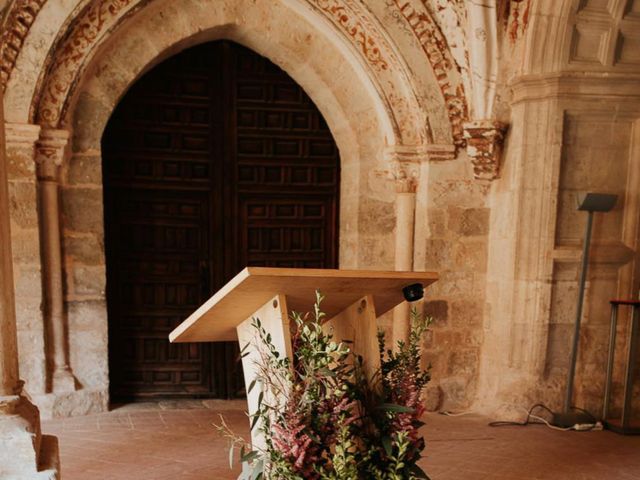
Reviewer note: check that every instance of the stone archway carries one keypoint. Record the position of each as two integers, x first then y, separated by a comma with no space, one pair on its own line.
366,114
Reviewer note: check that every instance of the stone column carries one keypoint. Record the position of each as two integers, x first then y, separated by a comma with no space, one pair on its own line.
24,453
406,183
404,170
49,154
9,383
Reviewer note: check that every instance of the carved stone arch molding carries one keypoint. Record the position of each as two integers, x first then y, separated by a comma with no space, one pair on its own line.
348,25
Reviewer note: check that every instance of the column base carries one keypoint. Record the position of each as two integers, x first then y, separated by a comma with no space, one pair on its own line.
71,404
62,381
24,453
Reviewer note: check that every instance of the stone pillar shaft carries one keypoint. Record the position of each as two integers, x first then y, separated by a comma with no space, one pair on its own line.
9,383
405,225
406,180
49,155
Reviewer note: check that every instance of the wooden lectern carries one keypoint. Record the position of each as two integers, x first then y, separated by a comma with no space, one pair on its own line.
354,299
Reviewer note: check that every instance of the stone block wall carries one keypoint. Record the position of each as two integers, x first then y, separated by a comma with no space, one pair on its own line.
599,156
456,215
85,277
23,210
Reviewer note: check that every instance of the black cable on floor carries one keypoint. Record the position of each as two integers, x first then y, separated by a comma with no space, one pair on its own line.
527,421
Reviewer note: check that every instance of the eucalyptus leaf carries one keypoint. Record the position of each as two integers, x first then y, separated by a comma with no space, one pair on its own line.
250,457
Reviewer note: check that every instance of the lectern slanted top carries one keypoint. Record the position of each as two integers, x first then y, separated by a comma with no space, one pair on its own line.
216,320
354,299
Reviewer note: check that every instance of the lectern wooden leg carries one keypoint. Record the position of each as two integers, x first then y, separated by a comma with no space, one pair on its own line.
274,318
357,324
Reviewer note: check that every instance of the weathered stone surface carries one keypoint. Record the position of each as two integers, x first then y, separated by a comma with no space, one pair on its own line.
81,402
438,310
29,314
463,362
86,249
24,453
455,397
89,357
88,127
20,164
27,282
25,246
438,254
22,204
466,314
376,252
469,221
436,222
83,169
432,397
89,280
88,315
377,217
33,369
82,210
469,256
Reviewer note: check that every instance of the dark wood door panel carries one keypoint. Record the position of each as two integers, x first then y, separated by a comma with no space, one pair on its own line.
156,249
214,160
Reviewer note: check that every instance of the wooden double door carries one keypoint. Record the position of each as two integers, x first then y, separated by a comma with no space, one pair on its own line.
214,160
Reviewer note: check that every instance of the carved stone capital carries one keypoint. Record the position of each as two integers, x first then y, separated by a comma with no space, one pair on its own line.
404,163
50,149
484,147
404,166
406,175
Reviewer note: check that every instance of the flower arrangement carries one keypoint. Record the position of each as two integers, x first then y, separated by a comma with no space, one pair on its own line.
323,419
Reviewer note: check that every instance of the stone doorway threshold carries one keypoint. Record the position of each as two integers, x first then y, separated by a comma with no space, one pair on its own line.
186,404
176,440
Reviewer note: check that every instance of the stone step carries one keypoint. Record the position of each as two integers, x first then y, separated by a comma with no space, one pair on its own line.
25,454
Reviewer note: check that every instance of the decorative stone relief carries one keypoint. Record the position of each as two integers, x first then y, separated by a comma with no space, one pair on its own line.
451,17
69,56
437,51
484,147
367,43
15,30
360,26
72,52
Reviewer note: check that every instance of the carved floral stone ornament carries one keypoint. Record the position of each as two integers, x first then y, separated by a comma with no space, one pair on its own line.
485,139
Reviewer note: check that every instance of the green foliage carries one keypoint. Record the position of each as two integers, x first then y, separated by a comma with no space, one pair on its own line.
322,418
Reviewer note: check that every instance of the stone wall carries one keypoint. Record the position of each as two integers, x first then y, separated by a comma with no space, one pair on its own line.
597,155
85,276
23,204
457,221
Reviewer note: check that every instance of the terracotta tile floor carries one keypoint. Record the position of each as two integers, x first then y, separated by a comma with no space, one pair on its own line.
173,440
